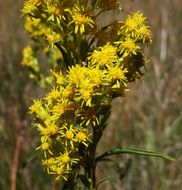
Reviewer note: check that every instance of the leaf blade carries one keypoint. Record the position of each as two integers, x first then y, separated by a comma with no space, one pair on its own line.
135,151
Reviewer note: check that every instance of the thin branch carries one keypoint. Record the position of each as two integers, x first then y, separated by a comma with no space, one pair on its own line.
18,145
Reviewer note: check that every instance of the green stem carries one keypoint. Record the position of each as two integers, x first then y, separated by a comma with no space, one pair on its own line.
90,158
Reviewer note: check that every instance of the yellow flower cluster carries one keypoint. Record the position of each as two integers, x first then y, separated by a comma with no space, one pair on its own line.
135,28
29,59
34,27
60,136
105,56
88,76
69,113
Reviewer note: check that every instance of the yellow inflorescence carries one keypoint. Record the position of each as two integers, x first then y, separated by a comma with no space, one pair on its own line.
80,20
128,47
29,7
104,56
29,59
87,76
135,27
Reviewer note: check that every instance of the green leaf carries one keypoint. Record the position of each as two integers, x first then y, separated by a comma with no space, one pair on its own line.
133,151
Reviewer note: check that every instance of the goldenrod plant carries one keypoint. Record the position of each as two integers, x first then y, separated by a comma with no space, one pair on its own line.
90,63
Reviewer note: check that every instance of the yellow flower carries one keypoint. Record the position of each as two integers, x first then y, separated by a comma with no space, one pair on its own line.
61,172
42,113
139,18
29,7
95,76
52,128
36,106
83,80
67,92
116,73
143,34
55,10
45,146
43,130
64,158
130,24
48,162
53,95
75,75
68,132
29,59
69,135
134,21
53,37
135,27
128,47
81,20
86,91
56,13
58,110
104,56
34,26
83,136
59,77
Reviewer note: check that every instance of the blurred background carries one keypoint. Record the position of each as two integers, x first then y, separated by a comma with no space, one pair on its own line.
149,117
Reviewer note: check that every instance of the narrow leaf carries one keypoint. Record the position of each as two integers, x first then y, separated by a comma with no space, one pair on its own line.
133,151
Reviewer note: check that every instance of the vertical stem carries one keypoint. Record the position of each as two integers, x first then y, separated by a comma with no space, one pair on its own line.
90,165
92,172
97,134
16,159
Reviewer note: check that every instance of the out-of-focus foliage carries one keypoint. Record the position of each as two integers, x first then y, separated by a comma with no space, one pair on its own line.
148,118
15,89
